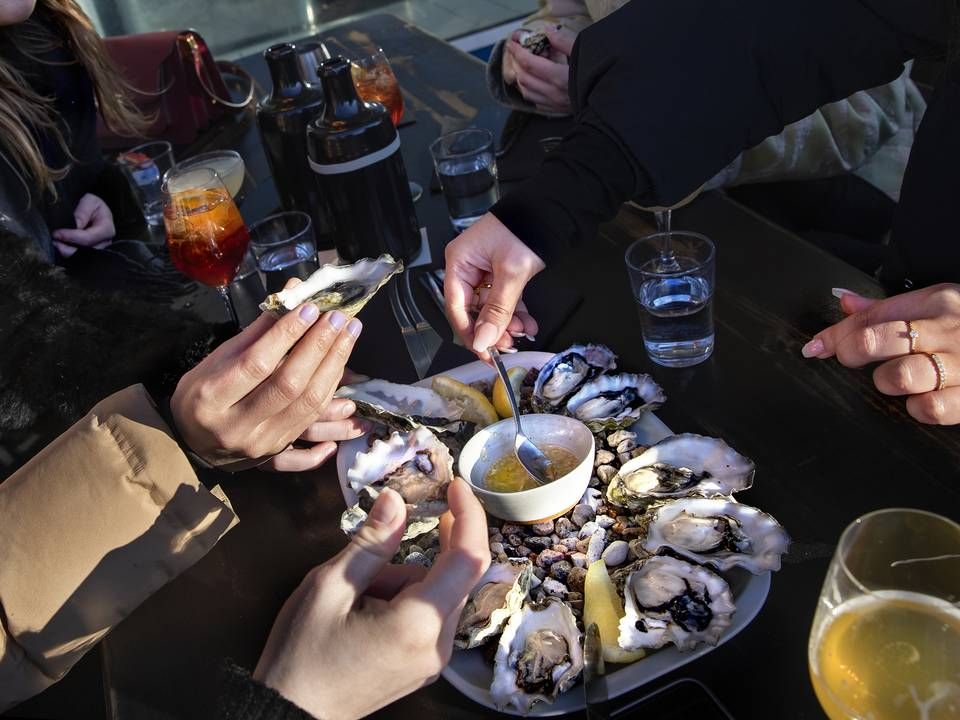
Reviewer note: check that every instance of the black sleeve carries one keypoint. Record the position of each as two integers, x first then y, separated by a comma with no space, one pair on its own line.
684,86
243,698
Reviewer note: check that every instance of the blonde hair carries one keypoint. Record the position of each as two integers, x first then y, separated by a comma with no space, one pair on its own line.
24,112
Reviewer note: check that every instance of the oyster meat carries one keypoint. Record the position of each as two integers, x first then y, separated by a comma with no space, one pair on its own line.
680,466
416,465
613,402
539,656
566,371
668,600
346,288
402,407
536,42
716,531
499,594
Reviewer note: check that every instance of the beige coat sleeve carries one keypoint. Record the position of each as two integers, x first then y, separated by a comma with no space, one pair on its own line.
101,518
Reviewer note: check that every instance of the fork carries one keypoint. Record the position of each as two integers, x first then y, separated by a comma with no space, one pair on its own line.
421,339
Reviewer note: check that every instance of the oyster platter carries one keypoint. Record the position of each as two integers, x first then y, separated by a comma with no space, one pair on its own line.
654,547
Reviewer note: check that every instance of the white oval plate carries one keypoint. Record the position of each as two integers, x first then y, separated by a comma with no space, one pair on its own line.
467,670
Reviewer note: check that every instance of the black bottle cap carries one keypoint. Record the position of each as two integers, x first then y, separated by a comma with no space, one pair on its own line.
349,129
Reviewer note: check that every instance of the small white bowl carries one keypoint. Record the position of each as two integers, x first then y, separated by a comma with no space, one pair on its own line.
538,504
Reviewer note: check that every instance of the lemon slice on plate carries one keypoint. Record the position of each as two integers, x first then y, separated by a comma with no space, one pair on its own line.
602,605
501,403
476,408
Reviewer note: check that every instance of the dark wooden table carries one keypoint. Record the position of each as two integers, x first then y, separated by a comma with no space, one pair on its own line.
828,447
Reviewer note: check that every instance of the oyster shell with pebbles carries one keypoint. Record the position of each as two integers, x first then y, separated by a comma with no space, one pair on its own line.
680,466
539,656
564,373
668,600
615,402
716,531
346,288
402,407
416,465
499,594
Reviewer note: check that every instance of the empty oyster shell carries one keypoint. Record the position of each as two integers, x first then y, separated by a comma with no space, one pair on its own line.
716,531
416,465
499,594
566,371
402,407
614,402
346,288
539,656
680,466
669,600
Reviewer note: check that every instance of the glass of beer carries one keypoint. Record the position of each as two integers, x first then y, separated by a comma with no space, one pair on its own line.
885,642
206,235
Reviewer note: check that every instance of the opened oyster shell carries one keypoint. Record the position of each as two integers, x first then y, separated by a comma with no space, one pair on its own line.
416,465
567,371
613,402
346,288
402,407
680,466
667,600
499,594
716,531
539,656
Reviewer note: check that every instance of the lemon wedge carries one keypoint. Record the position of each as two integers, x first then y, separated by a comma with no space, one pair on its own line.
501,403
602,605
476,408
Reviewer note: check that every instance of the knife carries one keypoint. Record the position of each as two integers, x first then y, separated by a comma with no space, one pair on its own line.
594,681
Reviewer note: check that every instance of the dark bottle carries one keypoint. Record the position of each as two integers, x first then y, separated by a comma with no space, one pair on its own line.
283,117
355,153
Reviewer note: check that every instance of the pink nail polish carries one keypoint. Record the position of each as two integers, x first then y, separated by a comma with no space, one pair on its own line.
309,312
812,348
840,292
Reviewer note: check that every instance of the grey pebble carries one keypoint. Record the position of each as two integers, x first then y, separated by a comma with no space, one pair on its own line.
606,473
582,514
565,527
496,548
560,570
549,557
624,458
496,537
539,572
586,530
594,482
538,543
554,588
605,521
619,436
514,540
417,558
604,457
535,581
569,543
583,544
523,551
626,446
592,497
576,578
597,542
554,538
615,554
510,529
411,549
579,559
543,529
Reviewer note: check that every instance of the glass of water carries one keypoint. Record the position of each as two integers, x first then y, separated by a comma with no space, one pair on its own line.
284,247
145,166
467,170
672,276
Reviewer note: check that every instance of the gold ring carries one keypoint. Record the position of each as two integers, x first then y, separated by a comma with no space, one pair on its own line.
941,371
913,335
482,286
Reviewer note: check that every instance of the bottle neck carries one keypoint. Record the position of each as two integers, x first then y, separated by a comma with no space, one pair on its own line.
342,101
284,70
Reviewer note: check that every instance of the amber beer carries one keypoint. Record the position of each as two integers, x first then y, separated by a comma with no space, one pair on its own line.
206,235
889,655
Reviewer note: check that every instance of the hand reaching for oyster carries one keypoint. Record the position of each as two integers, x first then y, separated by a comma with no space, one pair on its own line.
270,385
359,633
488,253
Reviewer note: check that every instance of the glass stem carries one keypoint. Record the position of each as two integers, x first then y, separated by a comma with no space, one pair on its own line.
668,260
224,291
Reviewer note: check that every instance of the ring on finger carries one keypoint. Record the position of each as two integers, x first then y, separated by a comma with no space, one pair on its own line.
940,370
913,336
481,286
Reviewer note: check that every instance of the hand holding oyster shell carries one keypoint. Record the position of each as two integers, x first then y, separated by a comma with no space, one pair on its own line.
359,633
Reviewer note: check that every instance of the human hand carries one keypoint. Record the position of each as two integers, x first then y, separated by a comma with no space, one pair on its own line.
268,386
94,227
876,331
359,633
488,253
543,81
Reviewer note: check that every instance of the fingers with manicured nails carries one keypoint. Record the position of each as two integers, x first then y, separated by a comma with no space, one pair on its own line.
370,550
288,381
464,555
301,459
335,430
851,302
915,374
941,407
883,341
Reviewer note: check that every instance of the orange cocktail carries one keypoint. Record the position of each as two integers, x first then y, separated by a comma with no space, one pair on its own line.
375,82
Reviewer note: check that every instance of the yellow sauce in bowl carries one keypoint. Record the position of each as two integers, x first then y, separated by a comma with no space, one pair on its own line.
506,474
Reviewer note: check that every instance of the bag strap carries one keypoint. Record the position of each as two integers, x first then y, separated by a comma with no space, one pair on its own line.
202,74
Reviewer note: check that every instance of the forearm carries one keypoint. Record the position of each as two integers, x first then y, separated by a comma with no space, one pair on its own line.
100,519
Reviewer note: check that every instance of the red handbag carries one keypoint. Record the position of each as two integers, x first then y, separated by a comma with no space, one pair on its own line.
174,79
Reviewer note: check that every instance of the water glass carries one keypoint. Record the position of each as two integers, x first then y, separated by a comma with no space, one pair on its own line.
284,247
885,641
672,276
247,291
467,169
145,166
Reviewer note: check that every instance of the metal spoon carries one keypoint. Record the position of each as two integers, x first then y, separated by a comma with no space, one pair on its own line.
530,456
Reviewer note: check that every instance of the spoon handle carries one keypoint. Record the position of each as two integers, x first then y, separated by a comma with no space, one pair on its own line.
498,362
